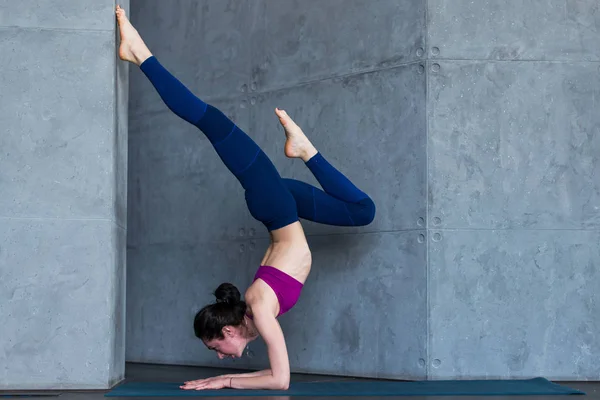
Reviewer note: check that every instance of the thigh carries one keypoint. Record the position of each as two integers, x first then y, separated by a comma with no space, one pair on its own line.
270,202
315,205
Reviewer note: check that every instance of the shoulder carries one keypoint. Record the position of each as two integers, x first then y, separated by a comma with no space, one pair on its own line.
261,299
254,294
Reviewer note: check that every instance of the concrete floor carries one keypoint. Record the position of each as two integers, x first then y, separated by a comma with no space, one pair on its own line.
168,373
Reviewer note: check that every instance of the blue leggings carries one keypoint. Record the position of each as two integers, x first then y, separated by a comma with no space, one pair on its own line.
272,200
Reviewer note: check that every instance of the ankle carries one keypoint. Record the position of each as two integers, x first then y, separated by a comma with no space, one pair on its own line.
142,56
309,153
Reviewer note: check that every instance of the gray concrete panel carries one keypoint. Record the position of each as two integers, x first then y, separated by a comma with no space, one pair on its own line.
59,282
180,190
519,30
63,179
181,279
514,145
60,108
205,44
300,41
363,310
514,304
371,127
117,301
84,15
331,329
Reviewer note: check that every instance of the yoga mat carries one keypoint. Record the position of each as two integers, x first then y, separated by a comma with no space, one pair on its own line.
537,386
27,394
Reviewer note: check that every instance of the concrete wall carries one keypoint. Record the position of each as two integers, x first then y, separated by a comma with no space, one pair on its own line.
63,169
189,228
419,103
514,183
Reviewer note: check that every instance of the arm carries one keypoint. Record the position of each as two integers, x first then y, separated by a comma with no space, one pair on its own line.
225,379
278,377
249,374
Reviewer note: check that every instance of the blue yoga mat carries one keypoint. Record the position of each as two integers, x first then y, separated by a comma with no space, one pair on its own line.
537,386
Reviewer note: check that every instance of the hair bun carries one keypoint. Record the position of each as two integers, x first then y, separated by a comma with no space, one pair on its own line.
227,293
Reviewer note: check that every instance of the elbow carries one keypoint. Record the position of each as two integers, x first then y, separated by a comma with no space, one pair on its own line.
282,383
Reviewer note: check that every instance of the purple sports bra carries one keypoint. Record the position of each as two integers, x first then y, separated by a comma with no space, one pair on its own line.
286,288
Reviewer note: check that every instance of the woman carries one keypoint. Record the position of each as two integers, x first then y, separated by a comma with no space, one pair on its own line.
228,325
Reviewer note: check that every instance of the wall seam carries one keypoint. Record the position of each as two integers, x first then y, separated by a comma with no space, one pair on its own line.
334,77
427,264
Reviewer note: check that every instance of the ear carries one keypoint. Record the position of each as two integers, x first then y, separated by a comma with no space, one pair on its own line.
227,331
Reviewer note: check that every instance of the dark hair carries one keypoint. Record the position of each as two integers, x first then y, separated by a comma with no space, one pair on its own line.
229,310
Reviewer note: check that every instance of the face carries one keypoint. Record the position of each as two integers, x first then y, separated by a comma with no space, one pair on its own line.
232,345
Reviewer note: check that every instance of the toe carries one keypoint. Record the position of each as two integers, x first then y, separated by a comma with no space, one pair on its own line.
282,114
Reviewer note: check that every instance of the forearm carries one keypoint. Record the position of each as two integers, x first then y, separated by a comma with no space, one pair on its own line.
266,381
250,374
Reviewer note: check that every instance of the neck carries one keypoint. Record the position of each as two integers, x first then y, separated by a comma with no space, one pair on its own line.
251,331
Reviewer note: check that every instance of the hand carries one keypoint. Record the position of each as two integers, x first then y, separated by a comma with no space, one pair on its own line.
216,382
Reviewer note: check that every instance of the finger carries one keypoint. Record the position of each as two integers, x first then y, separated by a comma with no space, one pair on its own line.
191,386
197,381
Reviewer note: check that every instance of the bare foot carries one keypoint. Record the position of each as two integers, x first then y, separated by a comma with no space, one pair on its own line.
132,48
297,144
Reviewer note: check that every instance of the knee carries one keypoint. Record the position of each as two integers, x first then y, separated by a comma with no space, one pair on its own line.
366,214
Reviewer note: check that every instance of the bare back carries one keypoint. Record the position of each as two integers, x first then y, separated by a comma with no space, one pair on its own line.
289,252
